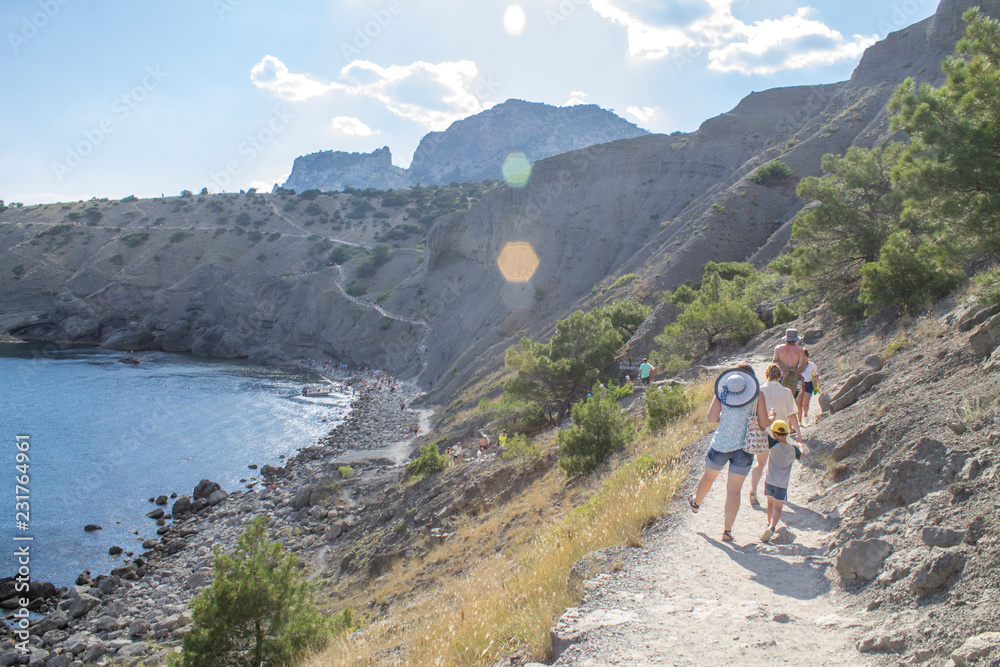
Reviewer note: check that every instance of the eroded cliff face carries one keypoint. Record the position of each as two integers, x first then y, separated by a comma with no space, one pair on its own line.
190,287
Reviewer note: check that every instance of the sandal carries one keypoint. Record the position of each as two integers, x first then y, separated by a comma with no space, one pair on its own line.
753,499
692,503
727,536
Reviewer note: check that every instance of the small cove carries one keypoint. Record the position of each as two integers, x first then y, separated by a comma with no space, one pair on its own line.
107,436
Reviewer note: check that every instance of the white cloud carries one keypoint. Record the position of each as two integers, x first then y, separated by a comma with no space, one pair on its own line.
643,114
431,94
351,126
763,47
272,74
576,97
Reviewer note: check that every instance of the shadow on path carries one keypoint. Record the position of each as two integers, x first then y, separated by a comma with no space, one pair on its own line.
802,581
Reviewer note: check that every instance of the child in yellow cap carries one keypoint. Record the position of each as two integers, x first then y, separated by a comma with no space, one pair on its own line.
779,472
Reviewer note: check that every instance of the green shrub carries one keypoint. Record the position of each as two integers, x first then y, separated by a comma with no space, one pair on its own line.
346,472
179,236
514,414
117,259
429,462
521,448
379,255
622,281
135,239
664,405
354,289
600,428
775,172
309,195
313,209
383,296
93,215
401,232
617,393
342,254
257,611
242,219
987,285
385,323
18,270
783,313
254,236
906,278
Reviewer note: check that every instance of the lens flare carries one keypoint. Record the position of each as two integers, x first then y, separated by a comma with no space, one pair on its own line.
514,20
516,170
517,262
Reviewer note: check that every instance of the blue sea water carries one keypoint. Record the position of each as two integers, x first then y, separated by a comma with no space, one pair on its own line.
105,437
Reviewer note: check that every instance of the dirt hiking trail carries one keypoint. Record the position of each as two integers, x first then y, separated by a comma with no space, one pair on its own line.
688,598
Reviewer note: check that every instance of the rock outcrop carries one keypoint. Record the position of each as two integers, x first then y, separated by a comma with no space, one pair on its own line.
335,170
471,149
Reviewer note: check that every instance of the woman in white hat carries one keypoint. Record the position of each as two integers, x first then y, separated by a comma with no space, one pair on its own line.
734,402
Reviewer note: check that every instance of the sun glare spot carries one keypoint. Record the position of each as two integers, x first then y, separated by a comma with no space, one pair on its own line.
517,262
514,20
516,170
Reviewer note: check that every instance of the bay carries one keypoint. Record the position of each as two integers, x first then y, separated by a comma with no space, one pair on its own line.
106,436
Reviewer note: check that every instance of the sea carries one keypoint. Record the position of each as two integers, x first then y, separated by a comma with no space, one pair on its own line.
89,440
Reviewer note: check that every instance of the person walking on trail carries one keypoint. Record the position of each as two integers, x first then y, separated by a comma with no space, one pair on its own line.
810,384
734,403
646,371
780,404
779,474
791,360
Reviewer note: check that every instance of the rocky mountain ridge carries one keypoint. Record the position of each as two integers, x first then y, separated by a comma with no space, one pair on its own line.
471,149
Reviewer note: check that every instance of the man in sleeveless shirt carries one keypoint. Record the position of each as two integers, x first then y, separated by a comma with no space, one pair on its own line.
791,359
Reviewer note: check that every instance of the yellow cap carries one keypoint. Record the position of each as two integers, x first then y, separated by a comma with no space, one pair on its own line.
780,427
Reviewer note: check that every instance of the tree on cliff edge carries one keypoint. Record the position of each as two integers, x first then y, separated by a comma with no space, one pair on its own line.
257,611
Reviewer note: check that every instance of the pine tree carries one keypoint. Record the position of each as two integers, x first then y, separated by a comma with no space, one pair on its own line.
257,611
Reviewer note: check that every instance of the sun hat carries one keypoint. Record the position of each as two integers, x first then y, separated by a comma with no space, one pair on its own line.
791,335
736,387
780,427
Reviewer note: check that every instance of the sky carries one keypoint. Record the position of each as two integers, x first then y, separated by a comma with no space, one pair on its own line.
109,98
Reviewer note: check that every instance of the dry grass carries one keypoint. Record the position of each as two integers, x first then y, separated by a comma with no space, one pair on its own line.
500,582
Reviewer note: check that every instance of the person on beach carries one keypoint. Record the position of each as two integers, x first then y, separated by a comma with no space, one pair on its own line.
402,406
646,372
791,360
734,403
779,474
810,384
779,404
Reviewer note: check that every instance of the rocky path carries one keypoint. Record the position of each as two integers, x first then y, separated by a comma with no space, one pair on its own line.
688,598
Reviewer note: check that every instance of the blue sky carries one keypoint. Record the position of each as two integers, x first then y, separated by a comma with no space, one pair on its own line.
106,98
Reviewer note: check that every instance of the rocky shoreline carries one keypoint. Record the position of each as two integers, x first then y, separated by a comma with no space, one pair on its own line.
139,612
